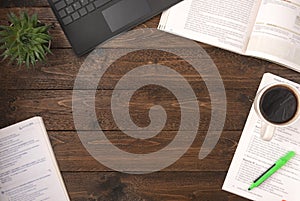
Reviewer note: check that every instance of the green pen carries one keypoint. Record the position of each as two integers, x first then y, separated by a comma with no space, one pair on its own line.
278,164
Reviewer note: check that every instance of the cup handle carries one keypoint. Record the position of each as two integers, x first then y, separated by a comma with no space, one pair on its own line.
267,131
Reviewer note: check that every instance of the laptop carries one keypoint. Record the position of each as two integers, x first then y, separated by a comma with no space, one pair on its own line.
88,23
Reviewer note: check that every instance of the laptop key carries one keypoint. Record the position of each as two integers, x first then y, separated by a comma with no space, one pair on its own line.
76,5
67,20
90,7
84,2
69,1
82,11
62,13
60,5
75,16
69,9
99,3
54,1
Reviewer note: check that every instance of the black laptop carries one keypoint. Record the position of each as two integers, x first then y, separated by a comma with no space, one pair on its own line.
87,23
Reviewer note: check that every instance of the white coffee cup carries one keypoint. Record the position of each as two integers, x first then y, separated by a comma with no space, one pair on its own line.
268,126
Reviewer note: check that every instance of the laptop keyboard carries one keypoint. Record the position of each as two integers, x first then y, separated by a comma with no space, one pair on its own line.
72,10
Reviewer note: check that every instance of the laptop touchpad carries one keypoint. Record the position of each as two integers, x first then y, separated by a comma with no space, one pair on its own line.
125,12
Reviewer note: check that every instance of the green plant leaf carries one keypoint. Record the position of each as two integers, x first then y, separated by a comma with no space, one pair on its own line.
27,60
47,49
41,51
32,58
34,20
41,29
3,46
43,36
13,57
23,16
12,44
37,55
4,28
4,55
40,48
13,19
40,40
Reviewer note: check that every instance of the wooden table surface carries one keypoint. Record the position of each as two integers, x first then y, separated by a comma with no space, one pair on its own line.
46,91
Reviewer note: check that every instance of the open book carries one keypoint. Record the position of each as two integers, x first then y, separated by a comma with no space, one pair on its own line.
268,29
28,169
254,156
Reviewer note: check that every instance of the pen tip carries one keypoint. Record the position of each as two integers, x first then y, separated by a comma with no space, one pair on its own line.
249,189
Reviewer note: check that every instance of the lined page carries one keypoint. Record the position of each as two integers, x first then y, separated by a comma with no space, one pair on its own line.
28,169
222,23
276,33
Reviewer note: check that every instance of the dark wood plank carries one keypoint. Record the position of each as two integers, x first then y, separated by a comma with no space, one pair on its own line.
63,66
55,106
157,186
70,152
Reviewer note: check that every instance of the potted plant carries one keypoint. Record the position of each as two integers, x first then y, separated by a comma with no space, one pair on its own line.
26,40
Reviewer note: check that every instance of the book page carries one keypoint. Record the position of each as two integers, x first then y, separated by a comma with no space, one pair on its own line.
276,33
28,169
254,156
226,24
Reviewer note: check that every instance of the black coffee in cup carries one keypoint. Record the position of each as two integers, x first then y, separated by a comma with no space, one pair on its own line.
278,104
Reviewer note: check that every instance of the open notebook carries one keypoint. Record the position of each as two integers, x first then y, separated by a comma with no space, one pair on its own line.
28,169
268,29
254,156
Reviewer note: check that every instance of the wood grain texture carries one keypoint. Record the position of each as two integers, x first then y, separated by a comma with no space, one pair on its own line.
47,90
70,153
196,186
55,106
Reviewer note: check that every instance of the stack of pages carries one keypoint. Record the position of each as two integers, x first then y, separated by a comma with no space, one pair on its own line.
28,168
254,156
268,29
